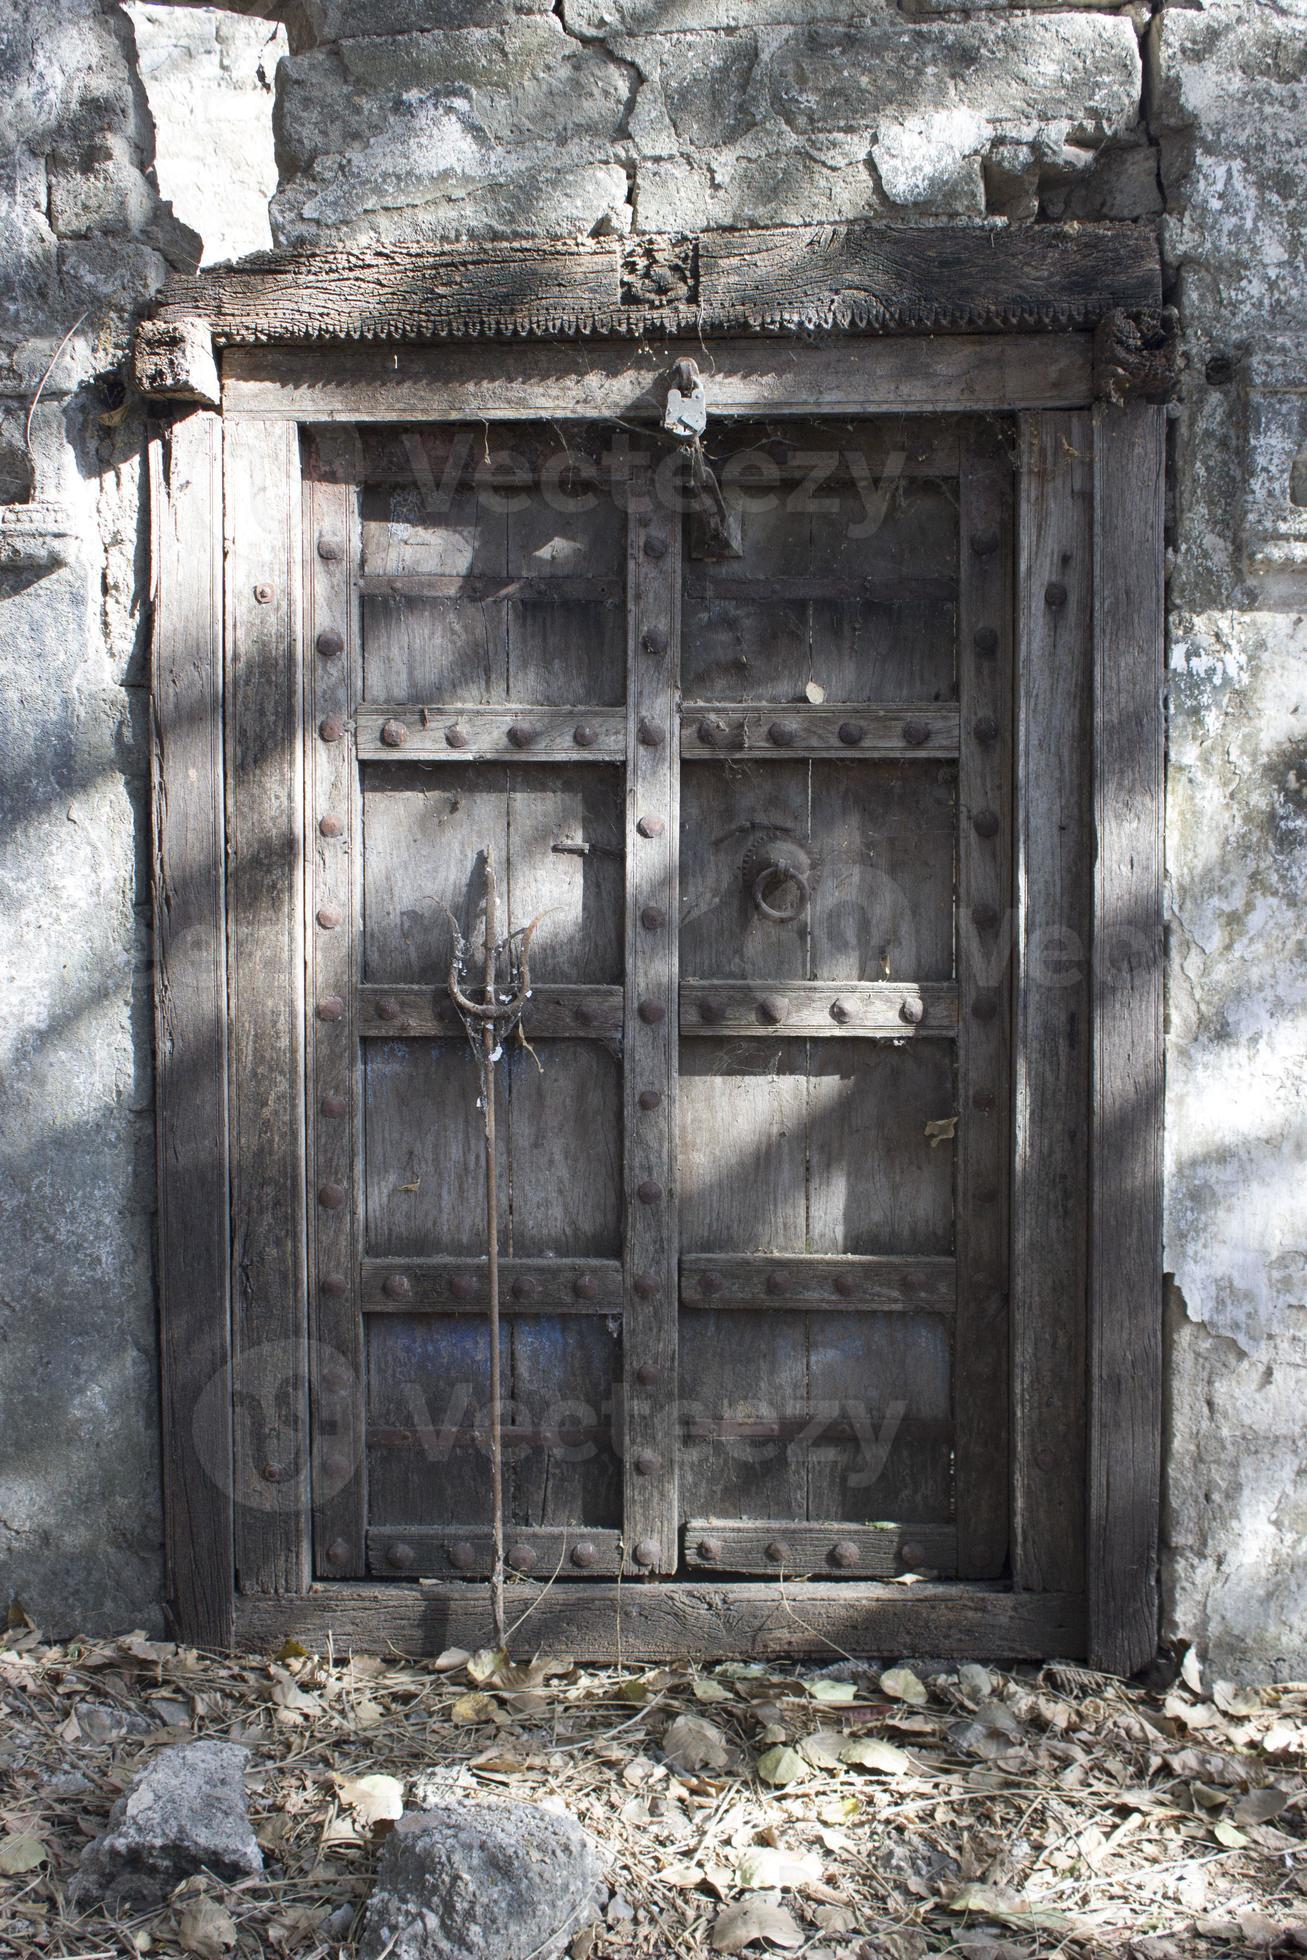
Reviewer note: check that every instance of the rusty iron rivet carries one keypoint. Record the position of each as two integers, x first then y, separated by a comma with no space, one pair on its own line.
844,1552
784,734
841,1011
711,1550
653,639
331,728
851,733
655,545
584,736
773,1008
462,1557
329,642
647,1375
456,735
984,543
776,1552
651,1012
649,1192
330,549
400,1555
651,826
645,1289
712,731
525,1288
523,1558
329,917
334,1105
652,916
263,593
1055,593
274,1473
463,1287
710,1011
985,917
334,1287
651,735
648,1464
650,1099
985,641
983,1101
912,1554
1045,1457
911,1010
844,1286
330,826
332,1196
985,823
985,1005
709,1284
775,1284
387,1009
520,735
583,1016
584,1287
394,734
337,1552
986,729
339,1468
646,1552
916,733
397,1286
584,1553
331,1008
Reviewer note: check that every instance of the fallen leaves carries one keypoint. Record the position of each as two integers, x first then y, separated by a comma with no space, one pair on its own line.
755,1920
21,1853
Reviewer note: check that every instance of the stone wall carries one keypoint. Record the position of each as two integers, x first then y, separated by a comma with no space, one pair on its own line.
446,118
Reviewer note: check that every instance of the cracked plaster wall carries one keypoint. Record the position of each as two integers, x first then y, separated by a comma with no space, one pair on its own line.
444,118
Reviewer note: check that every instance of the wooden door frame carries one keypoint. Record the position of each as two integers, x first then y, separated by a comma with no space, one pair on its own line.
1060,327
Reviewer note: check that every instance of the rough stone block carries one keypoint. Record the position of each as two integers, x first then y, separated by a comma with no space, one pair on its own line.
793,188
340,19
598,18
481,1881
1081,73
185,1813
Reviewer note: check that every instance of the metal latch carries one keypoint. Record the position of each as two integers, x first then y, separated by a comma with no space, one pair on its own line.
686,413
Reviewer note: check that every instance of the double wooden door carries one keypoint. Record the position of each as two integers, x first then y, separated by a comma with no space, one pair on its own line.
752,779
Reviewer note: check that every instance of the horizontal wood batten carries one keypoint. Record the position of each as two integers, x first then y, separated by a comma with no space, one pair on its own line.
802,1430
703,583
859,277
483,734
819,1007
478,589
831,1283
461,1286
586,384
655,1621
403,1552
868,1551
412,1013
774,730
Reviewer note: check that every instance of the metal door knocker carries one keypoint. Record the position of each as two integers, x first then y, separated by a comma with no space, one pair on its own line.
778,878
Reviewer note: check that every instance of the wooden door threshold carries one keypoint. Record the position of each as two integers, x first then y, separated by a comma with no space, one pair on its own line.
645,1620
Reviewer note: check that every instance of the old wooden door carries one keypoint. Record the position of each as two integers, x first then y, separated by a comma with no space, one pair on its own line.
755,1142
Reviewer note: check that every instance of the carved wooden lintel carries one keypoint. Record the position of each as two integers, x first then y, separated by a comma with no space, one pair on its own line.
1137,355
836,279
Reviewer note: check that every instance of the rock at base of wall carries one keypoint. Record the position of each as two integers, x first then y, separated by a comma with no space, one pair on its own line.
185,1813
481,1881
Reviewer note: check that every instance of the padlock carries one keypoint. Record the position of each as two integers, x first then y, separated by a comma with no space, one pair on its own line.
686,413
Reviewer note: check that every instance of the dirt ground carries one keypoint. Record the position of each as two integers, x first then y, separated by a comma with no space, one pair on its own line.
840,1809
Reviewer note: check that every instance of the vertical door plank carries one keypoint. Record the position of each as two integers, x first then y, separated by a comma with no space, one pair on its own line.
191,1022
332,681
651,1238
1051,1063
984,962
266,977
1125,1366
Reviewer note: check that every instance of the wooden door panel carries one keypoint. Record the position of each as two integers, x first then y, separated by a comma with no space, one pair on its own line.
745,1128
